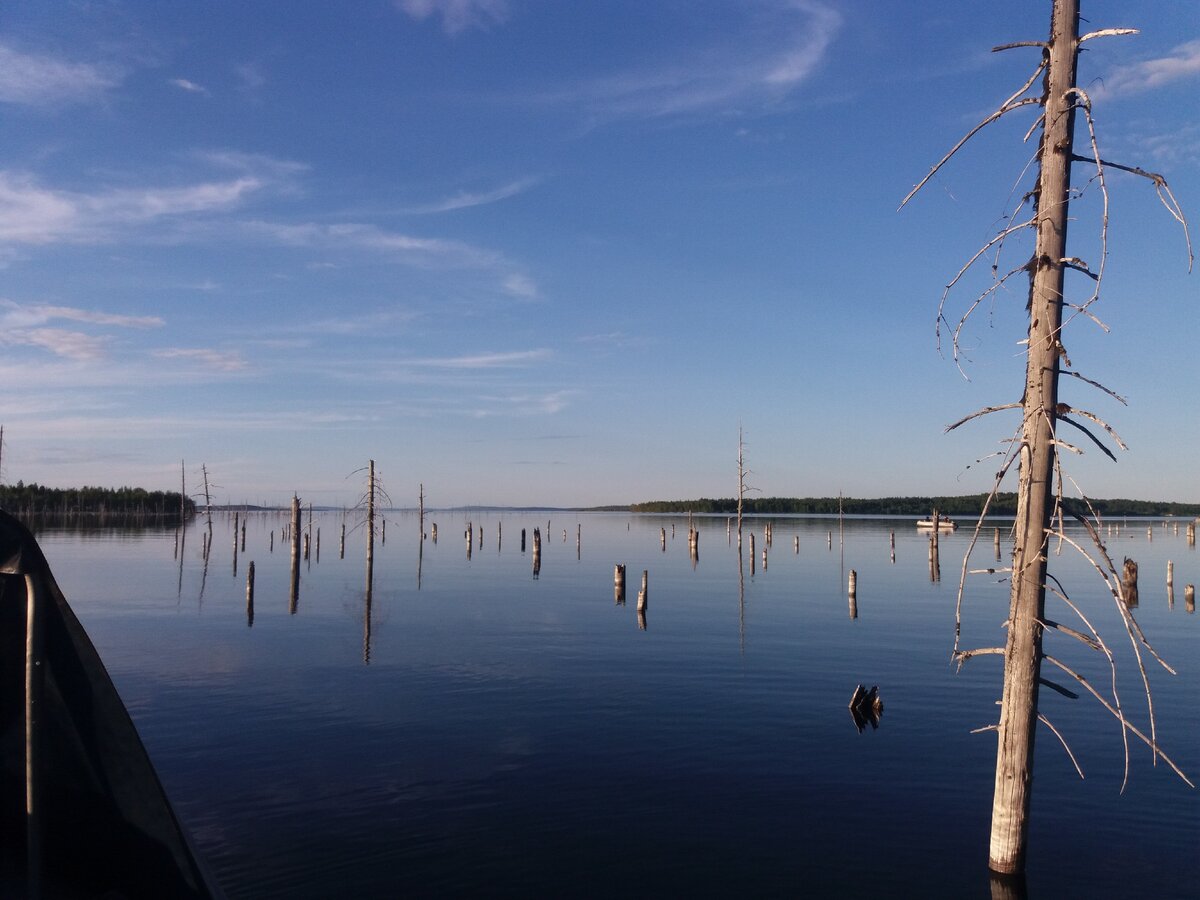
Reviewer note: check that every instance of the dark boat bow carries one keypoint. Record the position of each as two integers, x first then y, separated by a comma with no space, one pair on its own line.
83,811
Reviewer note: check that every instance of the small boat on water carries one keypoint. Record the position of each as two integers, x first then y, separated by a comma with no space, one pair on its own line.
82,811
944,524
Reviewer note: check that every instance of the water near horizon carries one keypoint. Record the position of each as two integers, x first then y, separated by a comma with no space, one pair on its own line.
476,730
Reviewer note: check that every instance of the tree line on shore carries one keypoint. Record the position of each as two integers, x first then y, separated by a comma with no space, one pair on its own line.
36,499
964,505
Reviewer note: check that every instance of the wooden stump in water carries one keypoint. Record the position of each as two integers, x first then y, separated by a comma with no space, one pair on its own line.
1129,585
294,532
1189,597
852,590
250,595
643,594
619,584
866,707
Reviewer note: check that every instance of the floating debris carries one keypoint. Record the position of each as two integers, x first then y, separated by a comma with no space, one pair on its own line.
866,707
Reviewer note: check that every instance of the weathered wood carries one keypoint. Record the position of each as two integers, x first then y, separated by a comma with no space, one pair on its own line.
619,584
294,590
644,593
1129,583
1189,597
1038,453
250,594
852,591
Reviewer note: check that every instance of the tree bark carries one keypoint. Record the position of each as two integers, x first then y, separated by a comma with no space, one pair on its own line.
1023,651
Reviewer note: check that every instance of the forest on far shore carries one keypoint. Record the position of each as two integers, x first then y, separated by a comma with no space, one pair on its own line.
964,505
38,500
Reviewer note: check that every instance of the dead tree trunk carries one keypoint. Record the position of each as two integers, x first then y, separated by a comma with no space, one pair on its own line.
741,484
1023,650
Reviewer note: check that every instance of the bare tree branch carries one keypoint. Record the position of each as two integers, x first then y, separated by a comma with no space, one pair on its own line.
1126,725
1108,32
982,412
1062,741
1096,385
1008,106
1164,195
1064,409
1095,440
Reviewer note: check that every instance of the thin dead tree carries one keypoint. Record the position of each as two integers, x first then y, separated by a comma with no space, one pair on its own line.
743,472
369,503
1035,447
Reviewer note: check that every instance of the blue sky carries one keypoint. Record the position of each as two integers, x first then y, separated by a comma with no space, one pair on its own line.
550,252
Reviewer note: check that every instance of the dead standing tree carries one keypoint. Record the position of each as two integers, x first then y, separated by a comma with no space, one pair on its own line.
1035,448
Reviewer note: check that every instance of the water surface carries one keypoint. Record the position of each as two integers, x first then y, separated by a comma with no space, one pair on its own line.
473,729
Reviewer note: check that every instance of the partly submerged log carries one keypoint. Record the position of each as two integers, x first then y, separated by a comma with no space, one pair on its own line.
866,707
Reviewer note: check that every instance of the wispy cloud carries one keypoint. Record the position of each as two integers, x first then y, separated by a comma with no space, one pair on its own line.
251,76
458,15
190,86
20,315
485,360
757,65
1182,63
216,360
68,344
33,214
466,199
35,80
96,318
412,249
28,325
523,404
522,286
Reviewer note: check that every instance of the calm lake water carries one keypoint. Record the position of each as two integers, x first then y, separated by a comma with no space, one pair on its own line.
476,730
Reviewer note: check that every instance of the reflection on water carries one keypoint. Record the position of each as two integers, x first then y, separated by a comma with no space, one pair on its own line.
473,730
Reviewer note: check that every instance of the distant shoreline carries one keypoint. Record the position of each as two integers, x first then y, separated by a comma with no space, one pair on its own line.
41,501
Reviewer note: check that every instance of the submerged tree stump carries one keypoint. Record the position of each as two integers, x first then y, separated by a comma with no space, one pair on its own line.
1129,583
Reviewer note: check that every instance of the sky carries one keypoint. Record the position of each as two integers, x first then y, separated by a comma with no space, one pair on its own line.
539,252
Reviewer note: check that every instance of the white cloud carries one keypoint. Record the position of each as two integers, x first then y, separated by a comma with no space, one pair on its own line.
17,315
190,86
32,214
26,326
217,360
520,286
1182,63
33,80
458,15
524,404
752,66
418,251
100,318
485,360
250,75
466,200
68,344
